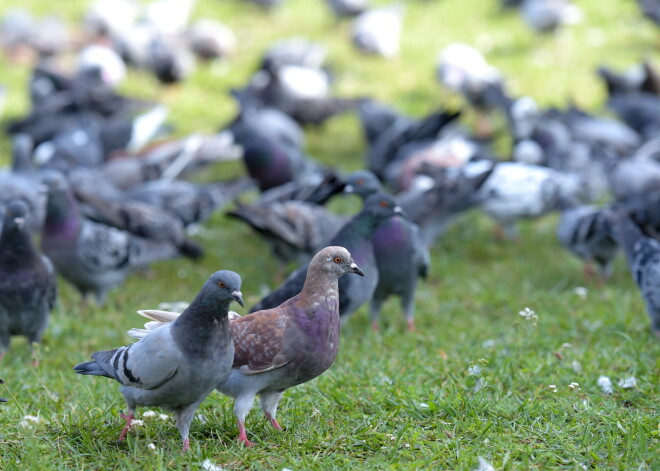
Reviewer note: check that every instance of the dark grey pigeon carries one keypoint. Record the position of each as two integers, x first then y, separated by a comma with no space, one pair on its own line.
347,8
356,236
643,255
2,399
94,257
584,230
190,202
401,255
177,365
291,344
28,287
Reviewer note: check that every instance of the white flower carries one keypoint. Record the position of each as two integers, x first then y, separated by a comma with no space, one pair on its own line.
165,417
574,386
423,405
484,465
149,414
32,418
581,292
208,465
628,383
605,385
528,314
151,446
390,436
316,412
137,423
552,387
407,445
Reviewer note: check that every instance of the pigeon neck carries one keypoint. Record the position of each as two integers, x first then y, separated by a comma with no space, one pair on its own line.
202,325
321,287
62,216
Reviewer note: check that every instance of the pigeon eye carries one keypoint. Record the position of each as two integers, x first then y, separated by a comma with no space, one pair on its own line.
384,204
221,284
359,181
337,260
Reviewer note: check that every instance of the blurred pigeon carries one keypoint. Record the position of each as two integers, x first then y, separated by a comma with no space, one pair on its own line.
639,78
347,8
177,365
376,118
276,349
547,16
95,258
210,39
110,18
22,181
317,189
110,65
356,236
141,219
401,255
643,255
2,399
293,51
295,230
378,31
28,287
650,9
517,191
190,202
639,110
634,177
585,231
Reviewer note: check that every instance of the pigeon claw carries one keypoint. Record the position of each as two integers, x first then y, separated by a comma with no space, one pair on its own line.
186,445
129,420
242,436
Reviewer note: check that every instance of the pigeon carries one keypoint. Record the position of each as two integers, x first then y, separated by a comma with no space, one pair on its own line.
356,236
28,288
2,399
516,191
210,39
177,365
643,256
547,16
378,31
585,231
95,258
190,202
290,344
401,255
295,230
347,8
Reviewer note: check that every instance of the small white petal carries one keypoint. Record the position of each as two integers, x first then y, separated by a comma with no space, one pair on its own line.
628,383
423,405
164,417
137,423
208,465
151,446
149,414
484,465
605,384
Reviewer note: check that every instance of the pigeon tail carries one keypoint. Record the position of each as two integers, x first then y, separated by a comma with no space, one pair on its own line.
91,368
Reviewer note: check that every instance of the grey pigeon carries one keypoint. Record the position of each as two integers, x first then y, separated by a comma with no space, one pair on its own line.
584,230
95,258
28,287
190,202
177,365
378,31
296,341
401,255
2,399
643,255
295,230
347,8
356,236
547,16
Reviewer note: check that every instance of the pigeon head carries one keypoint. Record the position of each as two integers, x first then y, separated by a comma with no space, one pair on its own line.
382,206
16,214
337,260
225,286
60,197
363,183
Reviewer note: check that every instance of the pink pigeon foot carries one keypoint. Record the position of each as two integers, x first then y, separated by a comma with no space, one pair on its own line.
242,436
411,325
129,420
273,421
186,445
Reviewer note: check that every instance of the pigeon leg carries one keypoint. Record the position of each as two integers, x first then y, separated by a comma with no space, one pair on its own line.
269,403
410,322
242,406
129,420
374,313
408,306
34,351
183,419
589,271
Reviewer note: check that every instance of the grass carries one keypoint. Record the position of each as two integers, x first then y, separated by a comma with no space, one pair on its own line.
392,400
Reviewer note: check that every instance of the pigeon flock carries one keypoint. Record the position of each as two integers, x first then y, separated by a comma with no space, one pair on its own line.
98,188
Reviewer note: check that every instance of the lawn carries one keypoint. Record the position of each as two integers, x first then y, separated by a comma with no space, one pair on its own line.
477,379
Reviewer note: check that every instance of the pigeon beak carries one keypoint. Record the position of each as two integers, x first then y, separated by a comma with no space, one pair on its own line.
20,222
238,297
349,189
356,269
